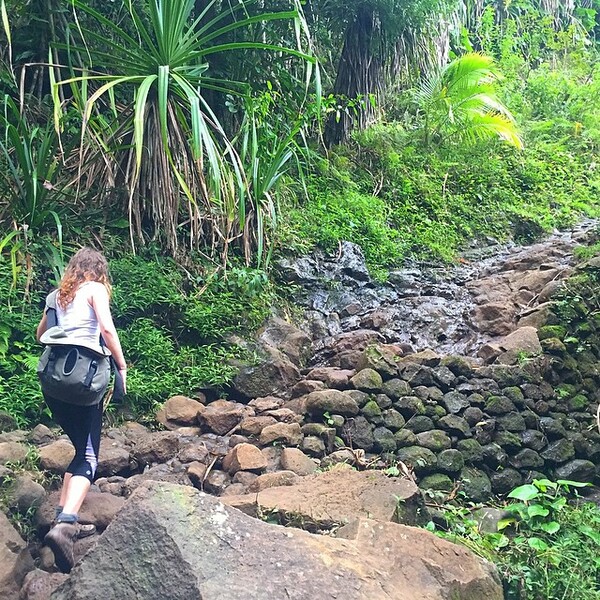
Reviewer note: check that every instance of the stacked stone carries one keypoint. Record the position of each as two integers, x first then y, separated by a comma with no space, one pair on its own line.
487,428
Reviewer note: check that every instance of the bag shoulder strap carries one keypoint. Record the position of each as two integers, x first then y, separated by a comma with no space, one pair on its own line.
51,316
52,321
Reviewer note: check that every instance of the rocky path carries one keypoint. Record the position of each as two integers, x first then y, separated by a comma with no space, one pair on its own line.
384,391
452,308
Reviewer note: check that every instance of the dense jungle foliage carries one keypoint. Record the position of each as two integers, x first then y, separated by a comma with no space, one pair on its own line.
196,143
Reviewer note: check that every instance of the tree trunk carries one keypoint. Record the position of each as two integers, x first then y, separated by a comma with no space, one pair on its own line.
358,77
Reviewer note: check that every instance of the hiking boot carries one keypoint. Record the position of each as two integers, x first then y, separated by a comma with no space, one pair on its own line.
84,531
60,540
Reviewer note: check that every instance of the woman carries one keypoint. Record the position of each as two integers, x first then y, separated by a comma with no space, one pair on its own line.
83,313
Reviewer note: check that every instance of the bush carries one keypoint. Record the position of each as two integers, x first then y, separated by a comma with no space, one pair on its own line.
547,549
173,325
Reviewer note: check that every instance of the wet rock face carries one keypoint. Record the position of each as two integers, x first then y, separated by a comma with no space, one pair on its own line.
455,309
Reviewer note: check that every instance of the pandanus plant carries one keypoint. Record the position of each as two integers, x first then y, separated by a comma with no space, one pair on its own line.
141,87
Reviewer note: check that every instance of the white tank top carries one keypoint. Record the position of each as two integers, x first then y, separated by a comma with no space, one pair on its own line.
79,320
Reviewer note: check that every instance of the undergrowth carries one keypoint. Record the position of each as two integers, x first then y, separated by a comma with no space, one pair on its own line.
547,546
175,327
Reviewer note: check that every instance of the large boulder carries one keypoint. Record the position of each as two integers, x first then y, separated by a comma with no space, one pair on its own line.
15,560
338,496
178,411
178,543
274,374
286,338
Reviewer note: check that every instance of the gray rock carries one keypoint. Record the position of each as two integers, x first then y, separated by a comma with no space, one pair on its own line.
15,560
450,461
384,402
455,425
288,433
475,484
422,460
358,433
405,437
420,424
392,419
512,421
313,446
409,406
527,459
275,374
331,401
499,405
13,452
533,439
454,402
559,452
41,434
505,480
576,470
396,388
25,493
494,456
472,415
156,447
372,412
436,440
384,440
367,380
471,450
444,377
157,549
436,481
552,428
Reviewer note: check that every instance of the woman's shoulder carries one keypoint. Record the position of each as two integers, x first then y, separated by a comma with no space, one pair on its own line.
92,288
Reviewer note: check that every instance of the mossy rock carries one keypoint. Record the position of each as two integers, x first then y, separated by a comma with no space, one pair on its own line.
367,380
422,460
451,461
409,406
471,450
499,405
435,440
515,394
553,346
372,412
552,331
475,484
437,481
578,403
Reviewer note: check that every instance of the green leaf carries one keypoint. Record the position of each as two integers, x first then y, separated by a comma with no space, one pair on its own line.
591,533
537,510
537,544
504,523
568,483
524,492
551,527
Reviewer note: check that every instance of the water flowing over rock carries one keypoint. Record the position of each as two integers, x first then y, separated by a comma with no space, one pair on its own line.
455,309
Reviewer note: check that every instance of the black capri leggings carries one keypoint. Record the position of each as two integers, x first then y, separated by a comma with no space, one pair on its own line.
83,425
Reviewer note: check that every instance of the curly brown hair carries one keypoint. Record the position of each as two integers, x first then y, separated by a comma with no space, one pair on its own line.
86,264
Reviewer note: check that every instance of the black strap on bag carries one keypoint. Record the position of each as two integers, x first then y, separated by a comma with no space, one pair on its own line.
118,389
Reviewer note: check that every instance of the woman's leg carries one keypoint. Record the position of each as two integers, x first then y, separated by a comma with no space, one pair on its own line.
83,425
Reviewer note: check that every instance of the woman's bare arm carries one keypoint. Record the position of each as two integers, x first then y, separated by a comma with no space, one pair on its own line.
41,328
100,303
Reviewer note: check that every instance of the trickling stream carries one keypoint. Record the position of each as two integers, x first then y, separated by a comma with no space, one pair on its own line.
453,309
